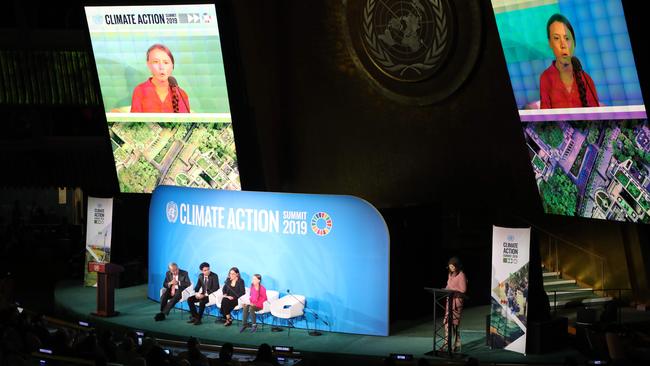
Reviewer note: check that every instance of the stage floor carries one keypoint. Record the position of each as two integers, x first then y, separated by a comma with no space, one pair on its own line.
137,311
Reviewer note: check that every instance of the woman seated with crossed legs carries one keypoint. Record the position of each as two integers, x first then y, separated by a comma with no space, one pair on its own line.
233,289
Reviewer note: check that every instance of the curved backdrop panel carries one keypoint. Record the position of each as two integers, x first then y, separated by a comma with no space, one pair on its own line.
334,250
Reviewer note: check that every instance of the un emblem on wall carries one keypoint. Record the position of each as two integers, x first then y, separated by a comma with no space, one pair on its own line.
407,40
416,51
172,211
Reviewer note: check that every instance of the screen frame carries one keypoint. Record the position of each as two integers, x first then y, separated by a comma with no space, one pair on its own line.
633,11
605,113
244,131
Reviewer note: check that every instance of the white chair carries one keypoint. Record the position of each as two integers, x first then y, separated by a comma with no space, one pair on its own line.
240,302
214,299
288,307
271,297
189,291
243,299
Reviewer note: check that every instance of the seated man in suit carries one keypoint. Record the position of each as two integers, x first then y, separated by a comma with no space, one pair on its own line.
207,283
176,280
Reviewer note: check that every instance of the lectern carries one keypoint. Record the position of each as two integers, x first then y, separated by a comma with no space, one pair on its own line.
107,275
442,300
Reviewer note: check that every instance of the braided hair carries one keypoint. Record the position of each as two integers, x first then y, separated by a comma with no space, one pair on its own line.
175,98
173,90
577,75
575,62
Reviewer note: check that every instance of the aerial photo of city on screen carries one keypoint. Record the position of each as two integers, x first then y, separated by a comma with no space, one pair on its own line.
592,169
184,154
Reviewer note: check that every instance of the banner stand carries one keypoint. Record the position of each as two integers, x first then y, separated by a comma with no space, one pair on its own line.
509,295
98,235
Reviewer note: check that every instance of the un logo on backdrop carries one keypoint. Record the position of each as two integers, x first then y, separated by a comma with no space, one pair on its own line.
172,211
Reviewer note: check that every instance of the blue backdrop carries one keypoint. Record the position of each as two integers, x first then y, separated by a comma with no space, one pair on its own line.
332,249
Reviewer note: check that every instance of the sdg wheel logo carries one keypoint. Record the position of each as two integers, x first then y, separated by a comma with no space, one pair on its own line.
321,223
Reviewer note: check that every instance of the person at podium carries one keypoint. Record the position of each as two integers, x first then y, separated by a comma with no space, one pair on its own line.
456,281
176,281
207,283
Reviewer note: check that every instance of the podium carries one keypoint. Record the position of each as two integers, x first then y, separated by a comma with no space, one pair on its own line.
107,275
442,301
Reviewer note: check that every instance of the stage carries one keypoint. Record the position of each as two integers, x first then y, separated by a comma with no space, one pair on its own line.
136,311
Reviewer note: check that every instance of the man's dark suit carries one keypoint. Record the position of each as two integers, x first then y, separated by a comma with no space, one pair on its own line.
211,286
167,301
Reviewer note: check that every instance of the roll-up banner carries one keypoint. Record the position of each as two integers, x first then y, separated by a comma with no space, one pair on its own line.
332,249
510,263
98,235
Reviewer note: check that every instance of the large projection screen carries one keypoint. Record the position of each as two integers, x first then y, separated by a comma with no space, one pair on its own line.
575,82
162,80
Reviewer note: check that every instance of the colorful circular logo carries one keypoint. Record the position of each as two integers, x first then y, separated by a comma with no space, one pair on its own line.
321,223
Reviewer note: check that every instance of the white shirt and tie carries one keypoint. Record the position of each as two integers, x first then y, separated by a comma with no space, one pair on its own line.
205,285
174,287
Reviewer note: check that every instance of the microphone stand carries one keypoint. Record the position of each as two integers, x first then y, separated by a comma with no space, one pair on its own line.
314,332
